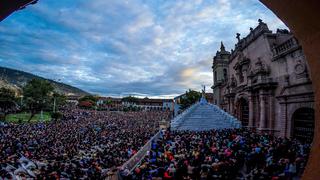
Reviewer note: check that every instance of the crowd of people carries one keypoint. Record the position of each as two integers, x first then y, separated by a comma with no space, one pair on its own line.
85,144
222,154
88,144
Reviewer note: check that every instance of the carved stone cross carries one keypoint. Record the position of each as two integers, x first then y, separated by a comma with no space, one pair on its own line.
238,37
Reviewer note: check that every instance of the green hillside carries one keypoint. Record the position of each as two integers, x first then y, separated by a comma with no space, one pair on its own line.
16,79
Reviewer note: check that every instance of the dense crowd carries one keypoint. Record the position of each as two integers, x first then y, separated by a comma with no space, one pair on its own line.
84,144
223,154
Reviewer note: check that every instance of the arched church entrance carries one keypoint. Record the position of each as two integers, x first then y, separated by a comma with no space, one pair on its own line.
243,111
303,124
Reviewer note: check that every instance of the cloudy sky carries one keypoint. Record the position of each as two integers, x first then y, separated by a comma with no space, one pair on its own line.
121,47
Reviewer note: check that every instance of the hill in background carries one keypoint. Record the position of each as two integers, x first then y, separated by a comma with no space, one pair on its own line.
16,79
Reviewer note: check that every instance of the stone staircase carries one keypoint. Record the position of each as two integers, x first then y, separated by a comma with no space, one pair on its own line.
203,116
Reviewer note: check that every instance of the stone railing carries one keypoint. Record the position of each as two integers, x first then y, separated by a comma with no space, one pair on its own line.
284,48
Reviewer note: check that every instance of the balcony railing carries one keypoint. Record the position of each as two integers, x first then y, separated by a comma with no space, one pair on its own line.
285,47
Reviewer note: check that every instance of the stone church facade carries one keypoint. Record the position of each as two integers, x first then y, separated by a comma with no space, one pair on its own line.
265,83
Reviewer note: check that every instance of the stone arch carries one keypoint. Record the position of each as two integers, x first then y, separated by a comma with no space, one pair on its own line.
303,124
302,17
236,99
294,107
291,108
242,107
243,95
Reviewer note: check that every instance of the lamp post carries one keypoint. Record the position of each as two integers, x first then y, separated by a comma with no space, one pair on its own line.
54,97
41,116
54,104
21,99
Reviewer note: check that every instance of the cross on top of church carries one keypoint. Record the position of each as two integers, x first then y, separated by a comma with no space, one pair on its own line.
238,37
203,89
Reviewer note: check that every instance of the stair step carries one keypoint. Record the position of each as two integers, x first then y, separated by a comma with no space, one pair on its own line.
204,116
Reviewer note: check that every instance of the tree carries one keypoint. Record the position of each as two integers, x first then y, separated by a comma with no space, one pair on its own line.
7,101
107,102
190,98
90,98
37,94
86,104
130,99
58,101
88,101
56,115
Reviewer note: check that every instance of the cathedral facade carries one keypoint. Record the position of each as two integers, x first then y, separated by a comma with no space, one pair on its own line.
265,83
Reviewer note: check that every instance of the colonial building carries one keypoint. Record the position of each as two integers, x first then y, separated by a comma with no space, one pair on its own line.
150,104
110,103
264,82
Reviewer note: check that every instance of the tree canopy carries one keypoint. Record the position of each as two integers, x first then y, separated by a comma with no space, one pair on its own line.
7,100
59,99
88,101
129,99
89,98
189,98
37,95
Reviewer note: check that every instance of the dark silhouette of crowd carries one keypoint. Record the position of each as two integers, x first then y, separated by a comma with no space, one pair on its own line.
222,154
85,144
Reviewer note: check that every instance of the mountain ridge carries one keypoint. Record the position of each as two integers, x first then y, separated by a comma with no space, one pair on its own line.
16,79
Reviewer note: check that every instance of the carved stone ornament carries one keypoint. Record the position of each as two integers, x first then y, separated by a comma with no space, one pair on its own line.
300,68
261,67
225,91
233,82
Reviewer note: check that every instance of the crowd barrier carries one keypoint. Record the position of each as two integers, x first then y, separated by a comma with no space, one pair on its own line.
130,165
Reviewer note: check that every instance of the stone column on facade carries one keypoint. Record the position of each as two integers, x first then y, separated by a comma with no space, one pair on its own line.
229,109
219,97
251,110
232,107
271,111
263,117
283,120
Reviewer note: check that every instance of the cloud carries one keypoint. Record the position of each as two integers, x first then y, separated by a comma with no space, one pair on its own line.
148,48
